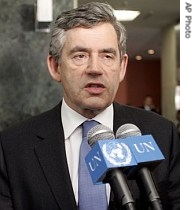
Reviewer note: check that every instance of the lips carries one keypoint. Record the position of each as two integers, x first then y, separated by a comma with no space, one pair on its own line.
95,88
95,85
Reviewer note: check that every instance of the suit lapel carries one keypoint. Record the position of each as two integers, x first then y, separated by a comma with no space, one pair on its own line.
51,155
119,117
123,115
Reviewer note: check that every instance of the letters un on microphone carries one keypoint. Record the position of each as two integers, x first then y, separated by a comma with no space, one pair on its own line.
117,153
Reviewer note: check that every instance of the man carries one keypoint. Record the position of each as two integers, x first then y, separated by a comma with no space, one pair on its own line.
148,104
39,158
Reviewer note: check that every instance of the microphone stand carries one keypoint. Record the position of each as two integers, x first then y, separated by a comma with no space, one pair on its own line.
145,181
120,188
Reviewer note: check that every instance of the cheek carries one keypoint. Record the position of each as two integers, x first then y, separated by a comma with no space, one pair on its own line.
71,81
66,71
118,77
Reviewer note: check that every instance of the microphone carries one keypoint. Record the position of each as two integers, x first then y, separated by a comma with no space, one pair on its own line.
103,161
149,154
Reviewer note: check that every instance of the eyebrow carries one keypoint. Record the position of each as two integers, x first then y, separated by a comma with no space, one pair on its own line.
84,49
79,49
109,50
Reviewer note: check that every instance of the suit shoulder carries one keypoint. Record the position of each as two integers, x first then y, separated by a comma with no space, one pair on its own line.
33,123
136,111
140,117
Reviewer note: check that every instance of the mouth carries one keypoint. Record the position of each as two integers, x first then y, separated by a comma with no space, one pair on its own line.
95,88
95,85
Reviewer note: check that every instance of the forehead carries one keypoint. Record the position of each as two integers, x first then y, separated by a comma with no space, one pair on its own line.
102,35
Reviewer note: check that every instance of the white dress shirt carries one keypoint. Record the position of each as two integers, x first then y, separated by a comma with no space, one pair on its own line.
71,122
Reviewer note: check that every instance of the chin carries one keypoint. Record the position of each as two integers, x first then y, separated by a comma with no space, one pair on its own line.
96,103
99,106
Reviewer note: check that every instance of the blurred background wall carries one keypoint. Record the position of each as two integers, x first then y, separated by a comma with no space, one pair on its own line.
142,78
26,88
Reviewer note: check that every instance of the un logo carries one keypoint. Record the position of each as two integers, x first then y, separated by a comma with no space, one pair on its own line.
117,153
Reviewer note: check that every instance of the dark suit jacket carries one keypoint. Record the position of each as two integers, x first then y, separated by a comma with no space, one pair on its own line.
33,167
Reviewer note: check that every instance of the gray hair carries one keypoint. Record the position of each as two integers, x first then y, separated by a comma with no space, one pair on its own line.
87,16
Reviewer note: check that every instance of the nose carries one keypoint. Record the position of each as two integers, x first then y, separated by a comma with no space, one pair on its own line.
94,66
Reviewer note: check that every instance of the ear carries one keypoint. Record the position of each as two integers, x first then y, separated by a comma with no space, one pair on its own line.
124,63
53,68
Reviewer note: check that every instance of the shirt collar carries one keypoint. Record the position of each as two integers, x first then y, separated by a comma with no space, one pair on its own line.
71,119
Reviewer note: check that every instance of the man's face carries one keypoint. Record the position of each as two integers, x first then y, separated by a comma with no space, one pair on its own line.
90,68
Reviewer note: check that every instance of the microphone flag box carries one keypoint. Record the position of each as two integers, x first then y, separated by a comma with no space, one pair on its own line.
145,149
106,155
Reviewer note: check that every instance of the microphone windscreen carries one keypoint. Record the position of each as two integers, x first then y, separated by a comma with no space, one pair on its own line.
127,130
99,132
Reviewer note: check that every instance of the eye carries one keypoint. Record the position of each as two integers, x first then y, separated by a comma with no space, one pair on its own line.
80,58
107,58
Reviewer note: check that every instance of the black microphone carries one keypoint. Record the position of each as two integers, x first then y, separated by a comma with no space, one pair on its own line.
142,175
113,176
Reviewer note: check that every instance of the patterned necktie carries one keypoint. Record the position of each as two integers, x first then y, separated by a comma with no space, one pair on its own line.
91,197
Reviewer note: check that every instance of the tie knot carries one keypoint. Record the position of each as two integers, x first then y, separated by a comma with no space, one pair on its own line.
87,125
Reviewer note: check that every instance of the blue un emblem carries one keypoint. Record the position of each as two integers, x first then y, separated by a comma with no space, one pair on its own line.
117,153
